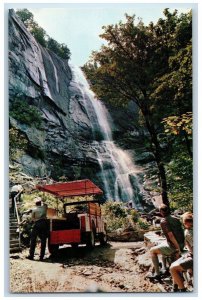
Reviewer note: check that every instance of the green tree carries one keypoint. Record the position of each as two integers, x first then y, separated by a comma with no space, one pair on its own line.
26,16
41,36
132,67
64,51
179,170
180,126
59,49
180,180
28,19
53,45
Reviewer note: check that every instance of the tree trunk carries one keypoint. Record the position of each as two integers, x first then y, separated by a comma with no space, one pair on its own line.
157,153
188,144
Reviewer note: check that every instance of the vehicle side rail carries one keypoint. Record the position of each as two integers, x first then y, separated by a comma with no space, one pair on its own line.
81,202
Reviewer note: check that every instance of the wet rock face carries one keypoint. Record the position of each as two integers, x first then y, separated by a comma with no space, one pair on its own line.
34,72
40,78
26,68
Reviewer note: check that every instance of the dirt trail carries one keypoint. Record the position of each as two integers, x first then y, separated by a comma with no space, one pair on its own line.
112,268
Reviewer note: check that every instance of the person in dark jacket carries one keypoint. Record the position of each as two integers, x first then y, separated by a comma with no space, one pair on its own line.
174,243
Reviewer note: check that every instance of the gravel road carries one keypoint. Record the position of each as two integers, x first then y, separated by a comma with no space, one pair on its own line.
112,268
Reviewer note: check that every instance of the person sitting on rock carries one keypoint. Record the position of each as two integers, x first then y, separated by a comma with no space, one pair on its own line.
185,262
174,243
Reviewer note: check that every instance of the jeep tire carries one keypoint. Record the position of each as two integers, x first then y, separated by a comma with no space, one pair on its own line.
91,238
103,238
52,248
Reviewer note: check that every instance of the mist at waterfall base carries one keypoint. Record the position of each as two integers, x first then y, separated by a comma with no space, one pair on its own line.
117,170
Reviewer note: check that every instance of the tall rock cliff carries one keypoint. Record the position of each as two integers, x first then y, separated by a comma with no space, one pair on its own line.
63,143
40,78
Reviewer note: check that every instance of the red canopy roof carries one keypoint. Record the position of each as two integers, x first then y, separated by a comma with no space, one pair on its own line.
71,188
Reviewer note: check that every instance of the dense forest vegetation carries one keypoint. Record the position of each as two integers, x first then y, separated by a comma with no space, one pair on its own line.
152,66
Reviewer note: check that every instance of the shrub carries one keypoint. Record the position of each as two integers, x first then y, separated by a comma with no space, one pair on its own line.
25,113
115,209
143,224
135,215
28,200
115,215
59,49
17,143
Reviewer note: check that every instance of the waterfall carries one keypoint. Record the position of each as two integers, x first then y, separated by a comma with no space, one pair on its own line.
116,165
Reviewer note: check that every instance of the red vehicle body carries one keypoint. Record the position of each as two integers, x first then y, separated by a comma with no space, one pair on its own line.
82,221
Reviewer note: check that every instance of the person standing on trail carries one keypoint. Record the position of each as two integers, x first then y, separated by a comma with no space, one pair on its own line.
174,244
40,228
185,262
16,189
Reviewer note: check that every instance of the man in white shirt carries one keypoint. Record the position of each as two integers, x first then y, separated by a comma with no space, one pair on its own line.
40,228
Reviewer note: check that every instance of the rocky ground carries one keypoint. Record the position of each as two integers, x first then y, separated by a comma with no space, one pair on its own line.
119,267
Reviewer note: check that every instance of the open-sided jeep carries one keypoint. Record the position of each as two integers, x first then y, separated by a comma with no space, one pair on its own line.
82,221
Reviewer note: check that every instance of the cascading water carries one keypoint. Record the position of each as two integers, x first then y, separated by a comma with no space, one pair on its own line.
117,167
